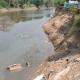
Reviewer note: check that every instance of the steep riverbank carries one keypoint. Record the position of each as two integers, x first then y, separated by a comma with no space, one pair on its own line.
65,64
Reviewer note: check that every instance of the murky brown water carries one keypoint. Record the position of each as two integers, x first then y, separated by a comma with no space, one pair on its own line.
22,40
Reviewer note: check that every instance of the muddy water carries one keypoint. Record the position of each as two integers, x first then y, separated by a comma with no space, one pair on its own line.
22,40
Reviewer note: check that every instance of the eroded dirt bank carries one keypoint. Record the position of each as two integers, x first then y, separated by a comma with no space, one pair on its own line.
65,64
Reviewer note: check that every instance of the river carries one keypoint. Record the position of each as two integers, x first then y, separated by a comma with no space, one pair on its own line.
22,40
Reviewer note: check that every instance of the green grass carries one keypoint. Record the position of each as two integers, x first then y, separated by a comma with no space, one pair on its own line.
76,24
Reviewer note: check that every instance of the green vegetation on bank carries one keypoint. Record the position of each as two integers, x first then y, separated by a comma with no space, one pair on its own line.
76,25
29,3
23,3
58,3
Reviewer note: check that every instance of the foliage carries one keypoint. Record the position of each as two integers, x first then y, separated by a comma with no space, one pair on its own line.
74,9
76,25
58,3
37,3
48,3
3,3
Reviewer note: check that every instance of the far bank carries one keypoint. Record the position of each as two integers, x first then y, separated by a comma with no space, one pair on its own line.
6,10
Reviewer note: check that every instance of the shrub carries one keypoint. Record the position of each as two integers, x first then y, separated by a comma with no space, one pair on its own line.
3,3
37,3
76,25
58,3
74,9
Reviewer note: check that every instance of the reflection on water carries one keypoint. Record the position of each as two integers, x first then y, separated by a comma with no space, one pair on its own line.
7,20
22,39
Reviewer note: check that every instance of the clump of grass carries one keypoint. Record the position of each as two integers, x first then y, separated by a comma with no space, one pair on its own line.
76,25
58,3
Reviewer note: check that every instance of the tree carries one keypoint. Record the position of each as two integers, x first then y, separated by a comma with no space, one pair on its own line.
20,3
37,3
3,3
48,3
58,3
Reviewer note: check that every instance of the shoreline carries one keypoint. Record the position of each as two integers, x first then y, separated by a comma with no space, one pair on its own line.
66,61
5,10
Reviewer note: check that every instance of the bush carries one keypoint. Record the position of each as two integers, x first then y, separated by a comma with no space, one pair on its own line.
3,3
37,3
76,25
58,3
74,9
1,7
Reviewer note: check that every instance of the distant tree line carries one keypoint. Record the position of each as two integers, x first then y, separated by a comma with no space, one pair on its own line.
37,3
21,3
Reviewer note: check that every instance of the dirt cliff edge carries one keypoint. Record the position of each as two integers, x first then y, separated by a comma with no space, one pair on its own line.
65,64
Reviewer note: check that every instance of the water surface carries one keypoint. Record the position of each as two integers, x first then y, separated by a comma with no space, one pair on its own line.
22,40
